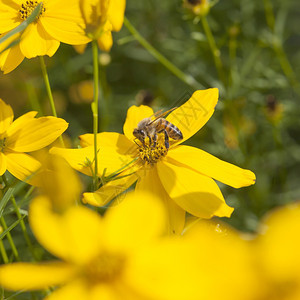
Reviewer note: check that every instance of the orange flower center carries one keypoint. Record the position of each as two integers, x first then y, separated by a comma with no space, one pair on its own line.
107,267
151,154
28,7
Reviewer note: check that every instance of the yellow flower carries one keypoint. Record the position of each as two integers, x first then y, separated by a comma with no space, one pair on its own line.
101,18
182,177
120,256
198,7
277,249
59,21
25,134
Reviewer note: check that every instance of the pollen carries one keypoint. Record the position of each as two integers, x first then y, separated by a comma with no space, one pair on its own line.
152,154
28,7
106,268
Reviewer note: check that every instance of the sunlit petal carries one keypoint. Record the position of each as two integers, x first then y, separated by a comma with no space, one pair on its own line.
36,41
134,222
6,116
25,276
2,163
22,165
115,13
149,182
194,192
63,21
211,166
105,41
134,115
113,188
10,59
35,134
74,236
193,114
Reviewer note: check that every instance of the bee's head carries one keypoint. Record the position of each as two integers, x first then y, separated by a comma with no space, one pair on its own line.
139,133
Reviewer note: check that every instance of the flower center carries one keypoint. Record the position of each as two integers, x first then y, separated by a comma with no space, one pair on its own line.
2,144
28,7
152,154
107,267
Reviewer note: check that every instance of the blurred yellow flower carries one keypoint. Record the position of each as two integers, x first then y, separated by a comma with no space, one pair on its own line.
101,17
182,177
276,251
25,134
58,21
198,7
120,256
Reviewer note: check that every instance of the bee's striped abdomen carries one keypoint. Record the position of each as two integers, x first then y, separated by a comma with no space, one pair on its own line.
172,130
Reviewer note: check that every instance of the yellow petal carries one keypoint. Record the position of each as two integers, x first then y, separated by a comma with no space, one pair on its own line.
81,159
35,134
278,244
193,114
56,172
113,188
10,59
80,48
26,276
209,165
75,290
134,115
135,221
74,236
36,41
22,166
3,165
197,194
20,122
8,11
110,139
149,182
6,116
67,26
115,13
105,41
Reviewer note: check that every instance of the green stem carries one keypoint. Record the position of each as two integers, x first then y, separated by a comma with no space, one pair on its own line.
214,49
278,48
49,92
188,79
95,109
3,253
10,240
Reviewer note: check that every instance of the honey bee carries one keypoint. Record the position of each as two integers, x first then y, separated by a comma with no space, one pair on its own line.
151,128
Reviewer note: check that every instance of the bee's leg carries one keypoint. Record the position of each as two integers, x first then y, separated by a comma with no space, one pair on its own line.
154,140
167,145
150,140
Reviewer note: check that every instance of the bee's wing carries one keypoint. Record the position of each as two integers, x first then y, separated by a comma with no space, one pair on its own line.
160,114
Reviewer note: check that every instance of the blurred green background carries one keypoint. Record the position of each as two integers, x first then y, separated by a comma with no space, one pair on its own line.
256,124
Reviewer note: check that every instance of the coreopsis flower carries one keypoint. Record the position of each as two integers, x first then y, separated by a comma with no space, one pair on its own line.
123,255
101,18
25,134
182,176
276,251
58,21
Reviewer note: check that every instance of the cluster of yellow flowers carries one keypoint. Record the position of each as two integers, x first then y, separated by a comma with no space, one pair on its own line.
145,246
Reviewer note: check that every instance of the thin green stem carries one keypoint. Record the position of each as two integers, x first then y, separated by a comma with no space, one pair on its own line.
95,109
49,91
10,240
188,79
3,253
214,49
278,48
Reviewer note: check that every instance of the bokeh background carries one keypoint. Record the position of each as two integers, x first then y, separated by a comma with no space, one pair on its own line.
257,120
